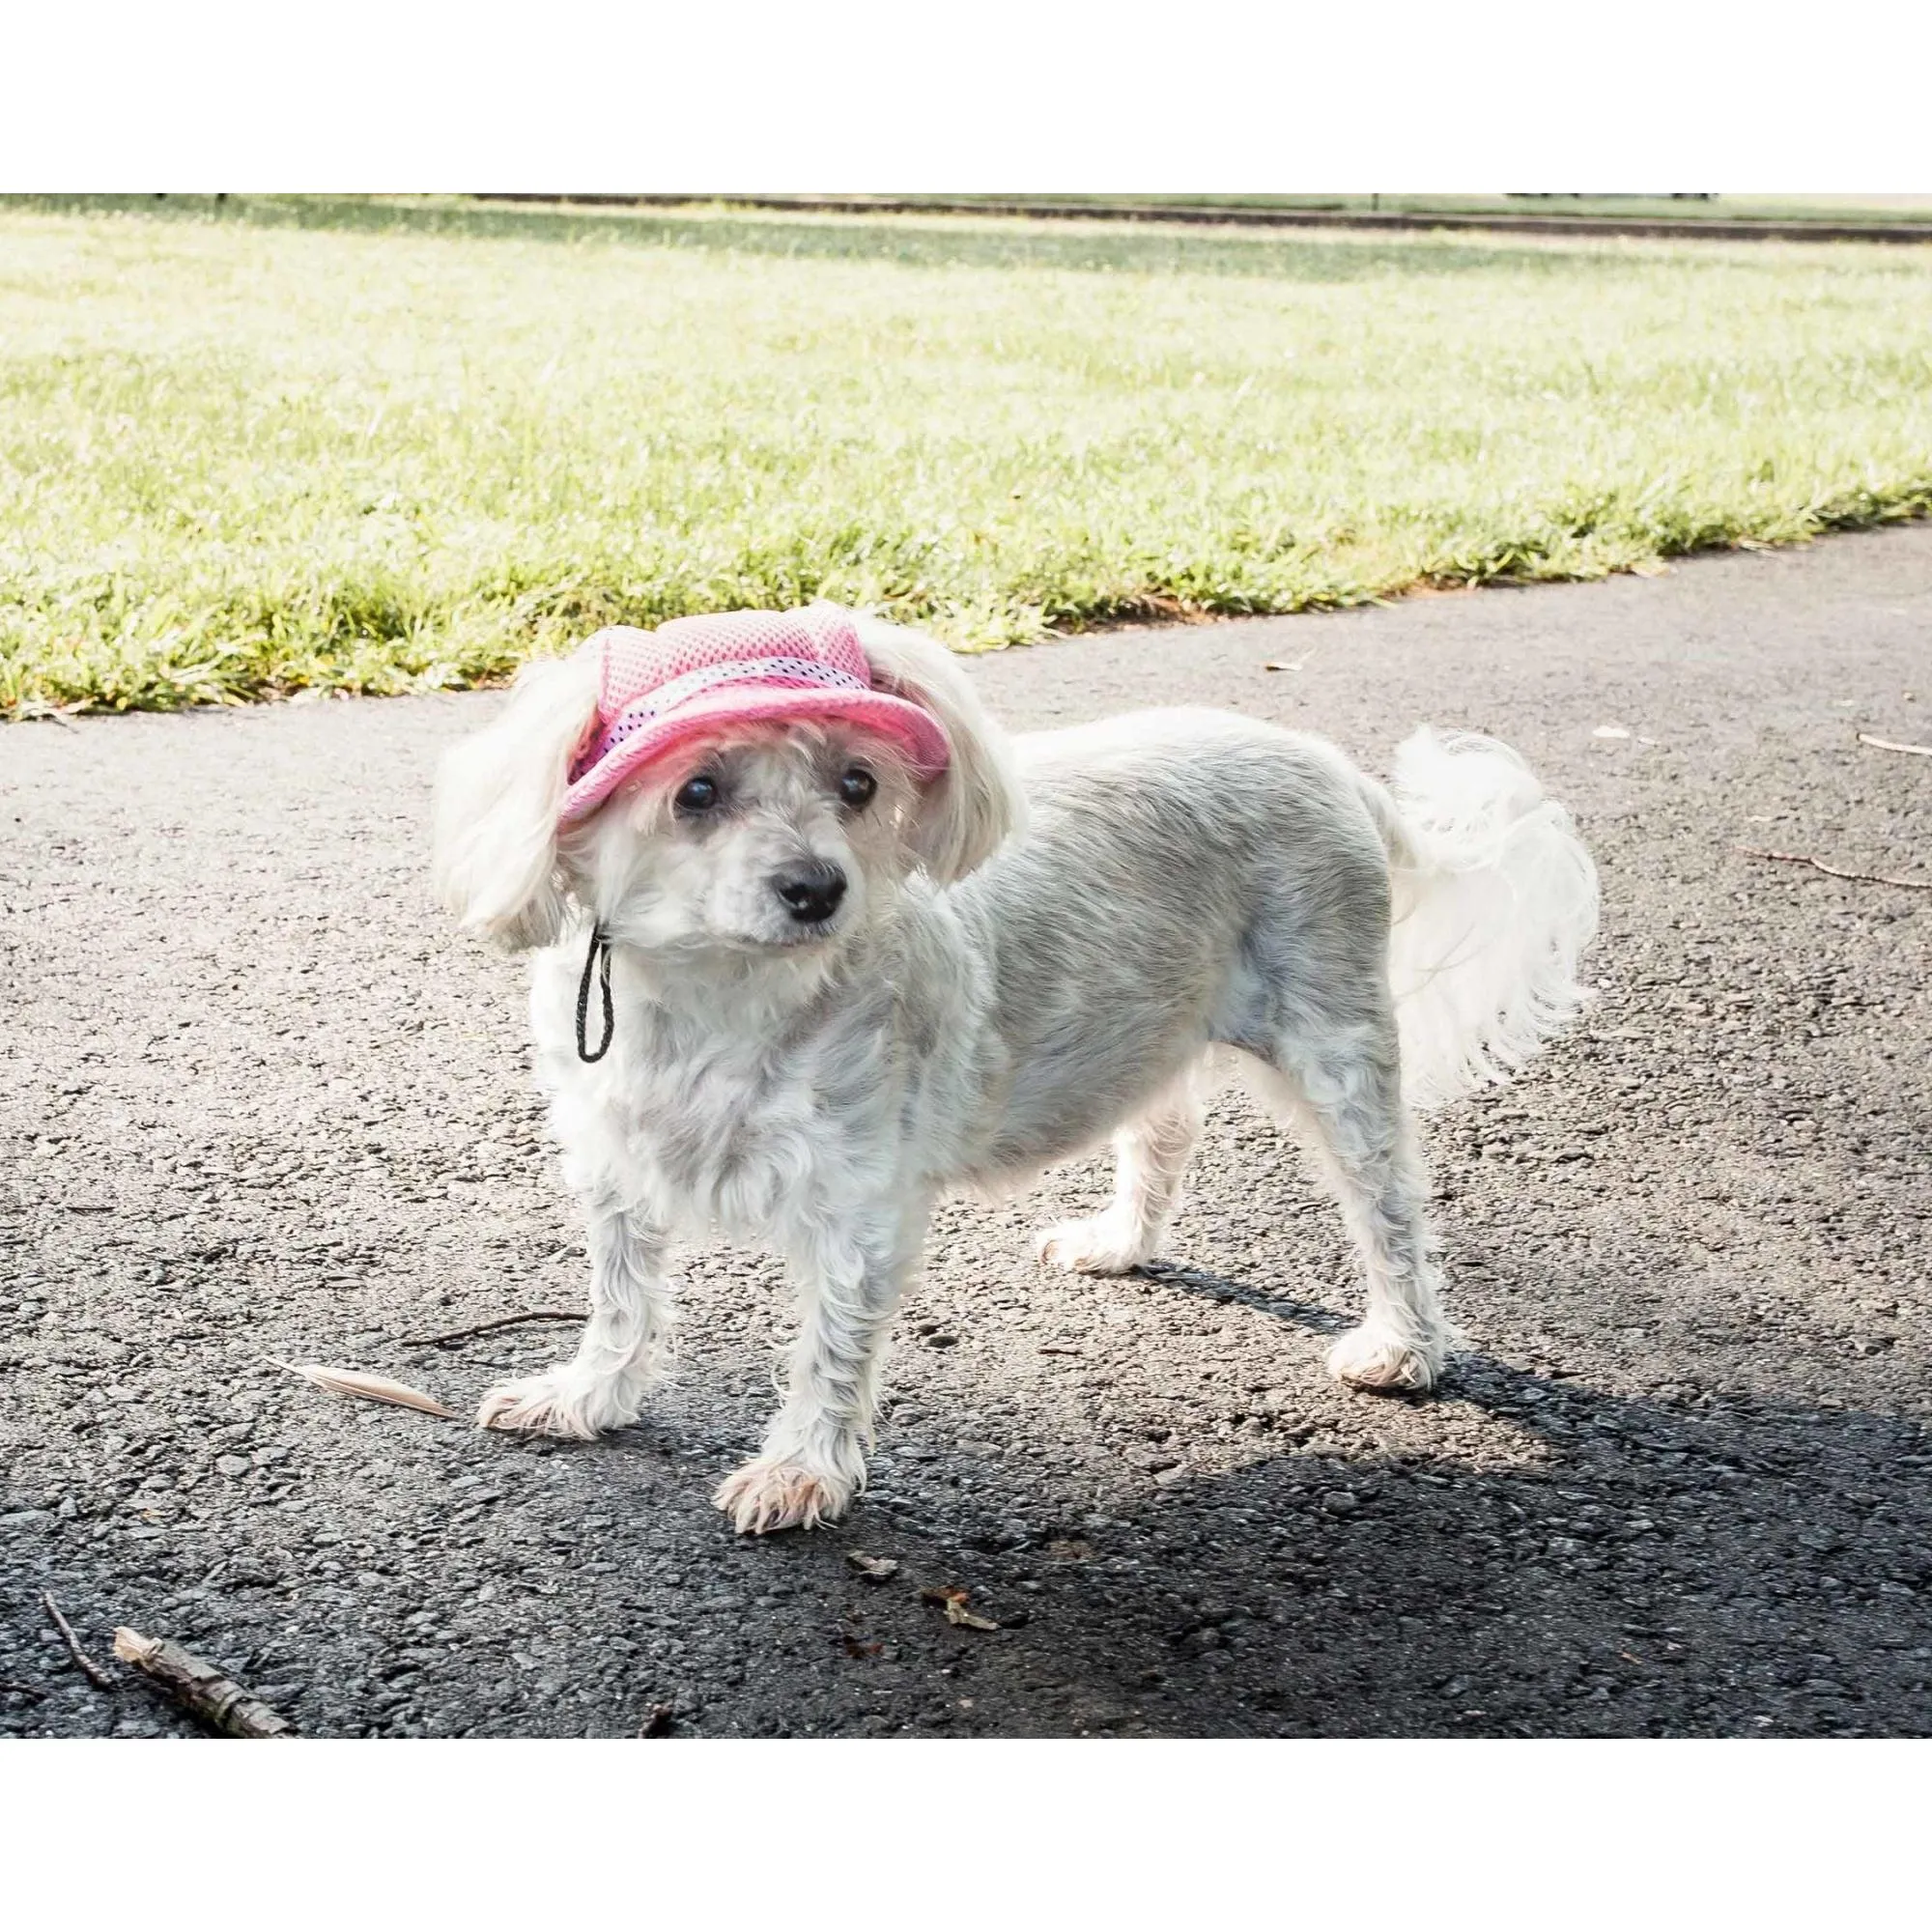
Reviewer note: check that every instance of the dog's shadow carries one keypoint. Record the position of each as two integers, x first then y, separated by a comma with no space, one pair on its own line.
1601,1563
1698,1562
1220,1288
1671,1568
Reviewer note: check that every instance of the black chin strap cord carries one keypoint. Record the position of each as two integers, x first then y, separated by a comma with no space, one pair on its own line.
597,958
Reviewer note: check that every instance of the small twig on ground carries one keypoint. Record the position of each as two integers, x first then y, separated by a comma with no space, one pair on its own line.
1837,872
202,1691
1893,744
489,1327
1054,1349
31,1690
102,1680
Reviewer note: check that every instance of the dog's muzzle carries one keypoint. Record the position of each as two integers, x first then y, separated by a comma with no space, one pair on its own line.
811,893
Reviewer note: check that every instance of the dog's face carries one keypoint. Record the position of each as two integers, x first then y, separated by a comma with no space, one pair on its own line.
771,838
776,840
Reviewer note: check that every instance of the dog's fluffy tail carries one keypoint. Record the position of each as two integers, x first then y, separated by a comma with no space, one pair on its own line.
1494,899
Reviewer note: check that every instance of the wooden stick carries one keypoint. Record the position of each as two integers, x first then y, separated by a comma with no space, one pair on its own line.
489,1327
1893,744
102,1680
200,1688
1837,872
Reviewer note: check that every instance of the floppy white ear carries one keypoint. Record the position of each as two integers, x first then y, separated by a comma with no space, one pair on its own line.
977,803
494,857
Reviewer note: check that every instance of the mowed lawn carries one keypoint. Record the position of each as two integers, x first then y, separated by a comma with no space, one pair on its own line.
381,447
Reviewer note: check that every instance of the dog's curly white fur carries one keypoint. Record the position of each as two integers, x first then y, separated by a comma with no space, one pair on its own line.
1065,935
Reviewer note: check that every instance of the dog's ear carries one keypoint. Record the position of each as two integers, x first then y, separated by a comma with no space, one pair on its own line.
497,799
977,803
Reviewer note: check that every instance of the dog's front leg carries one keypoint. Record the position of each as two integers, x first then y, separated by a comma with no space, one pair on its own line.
604,1385
814,1460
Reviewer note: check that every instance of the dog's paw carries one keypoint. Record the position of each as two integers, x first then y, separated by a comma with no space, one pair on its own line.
557,1404
769,1493
1374,1357
1101,1245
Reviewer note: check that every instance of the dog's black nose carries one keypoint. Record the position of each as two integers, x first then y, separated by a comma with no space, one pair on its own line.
810,891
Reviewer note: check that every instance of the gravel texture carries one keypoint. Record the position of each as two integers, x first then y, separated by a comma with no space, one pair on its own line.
255,1101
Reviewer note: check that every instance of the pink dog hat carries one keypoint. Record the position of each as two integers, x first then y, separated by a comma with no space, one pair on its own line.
663,687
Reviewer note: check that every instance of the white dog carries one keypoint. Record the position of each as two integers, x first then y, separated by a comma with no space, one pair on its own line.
820,942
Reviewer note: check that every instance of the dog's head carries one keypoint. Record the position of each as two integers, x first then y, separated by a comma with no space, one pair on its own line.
749,836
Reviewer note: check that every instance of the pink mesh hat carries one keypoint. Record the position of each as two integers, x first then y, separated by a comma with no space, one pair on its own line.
661,688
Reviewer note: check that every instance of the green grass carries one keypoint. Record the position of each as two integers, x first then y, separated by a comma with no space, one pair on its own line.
380,446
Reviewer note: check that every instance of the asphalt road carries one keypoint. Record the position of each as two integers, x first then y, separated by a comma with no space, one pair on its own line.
255,1101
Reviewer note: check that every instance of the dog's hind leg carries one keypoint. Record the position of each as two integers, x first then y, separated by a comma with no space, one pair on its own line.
1345,1095
813,1464
604,1385
1150,1156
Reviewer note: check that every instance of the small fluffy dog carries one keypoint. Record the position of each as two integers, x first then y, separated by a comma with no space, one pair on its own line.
817,942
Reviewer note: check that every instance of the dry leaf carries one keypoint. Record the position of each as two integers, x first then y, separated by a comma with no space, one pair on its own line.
952,1600
874,1569
368,1388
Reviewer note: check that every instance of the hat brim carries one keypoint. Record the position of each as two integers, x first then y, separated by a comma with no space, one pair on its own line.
912,728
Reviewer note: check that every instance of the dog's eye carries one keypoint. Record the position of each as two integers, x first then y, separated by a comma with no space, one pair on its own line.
858,787
696,795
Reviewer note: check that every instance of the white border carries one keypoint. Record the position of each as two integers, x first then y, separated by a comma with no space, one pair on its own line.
954,1836
998,96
